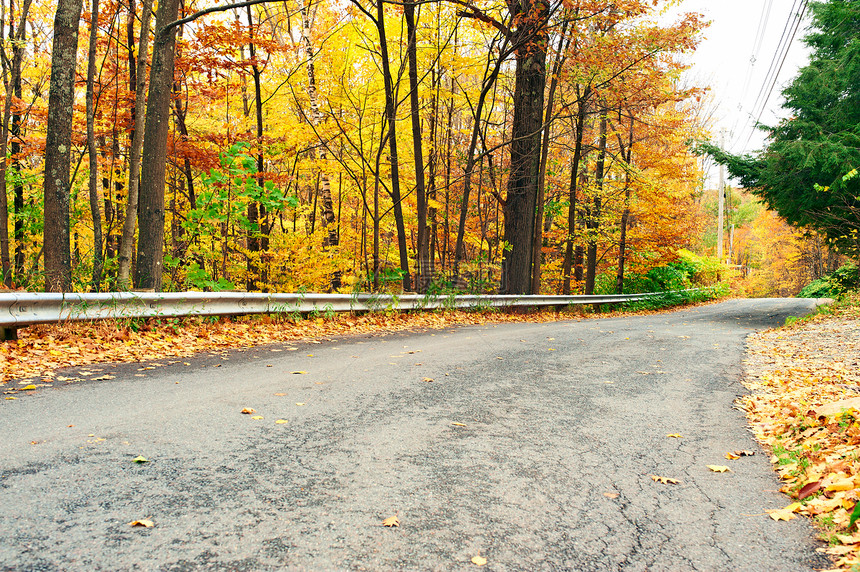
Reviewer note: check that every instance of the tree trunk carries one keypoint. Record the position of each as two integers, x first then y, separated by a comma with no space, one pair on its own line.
256,211
317,118
391,117
529,84
574,178
423,276
537,244
12,83
625,215
95,207
594,209
58,146
489,81
154,155
127,243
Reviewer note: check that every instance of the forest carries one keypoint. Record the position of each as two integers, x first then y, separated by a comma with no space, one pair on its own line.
516,147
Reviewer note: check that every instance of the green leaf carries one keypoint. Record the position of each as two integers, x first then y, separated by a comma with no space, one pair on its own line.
855,514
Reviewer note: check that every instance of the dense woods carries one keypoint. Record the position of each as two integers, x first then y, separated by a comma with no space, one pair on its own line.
517,147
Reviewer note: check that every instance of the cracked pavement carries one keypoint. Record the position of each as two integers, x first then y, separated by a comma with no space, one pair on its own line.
533,446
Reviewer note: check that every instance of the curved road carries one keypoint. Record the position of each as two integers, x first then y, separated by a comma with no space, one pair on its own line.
533,446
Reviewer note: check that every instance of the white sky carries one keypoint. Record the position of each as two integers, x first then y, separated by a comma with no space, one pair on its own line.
723,62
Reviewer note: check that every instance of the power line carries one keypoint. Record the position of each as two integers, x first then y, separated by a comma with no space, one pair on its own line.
792,25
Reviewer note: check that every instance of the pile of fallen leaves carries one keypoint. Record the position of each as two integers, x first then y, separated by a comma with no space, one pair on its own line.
805,407
42,350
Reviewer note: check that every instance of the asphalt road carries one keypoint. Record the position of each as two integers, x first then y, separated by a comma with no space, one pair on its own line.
533,446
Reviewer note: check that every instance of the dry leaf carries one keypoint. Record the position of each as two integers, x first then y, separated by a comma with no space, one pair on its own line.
732,456
146,523
719,468
611,495
744,453
248,411
299,404
808,490
258,417
675,436
664,480
140,459
479,560
391,521
281,421
458,424
280,394
427,379
299,372
781,514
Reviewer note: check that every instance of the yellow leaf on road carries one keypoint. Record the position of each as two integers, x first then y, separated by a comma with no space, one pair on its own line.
248,411
257,417
675,436
299,372
391,521
146,523
281,421
479,560
140,459
664,480
458,424
732,456
719,468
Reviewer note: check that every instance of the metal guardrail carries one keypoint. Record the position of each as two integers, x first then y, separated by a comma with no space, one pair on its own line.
19,309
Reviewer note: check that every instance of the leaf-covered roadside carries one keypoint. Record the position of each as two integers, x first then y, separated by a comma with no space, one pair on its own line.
805,407
34,359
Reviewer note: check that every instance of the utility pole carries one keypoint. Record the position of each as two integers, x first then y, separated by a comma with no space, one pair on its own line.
721,201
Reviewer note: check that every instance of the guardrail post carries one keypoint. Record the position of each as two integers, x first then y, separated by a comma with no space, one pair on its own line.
8,334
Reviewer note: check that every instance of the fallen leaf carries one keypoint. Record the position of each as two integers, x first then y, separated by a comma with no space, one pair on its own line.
257,417
479,560
27,387
281,421
719,468
808,490
299,404
611,495
140,459
280,394
744,453
458,424
391,521
298,372
781,514
675,436
732,456
664,480
841,485
146,523
248,411
427,379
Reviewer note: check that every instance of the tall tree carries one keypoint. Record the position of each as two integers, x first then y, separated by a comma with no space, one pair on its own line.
58,147
95,207
130,222
530,18
12,85
150,256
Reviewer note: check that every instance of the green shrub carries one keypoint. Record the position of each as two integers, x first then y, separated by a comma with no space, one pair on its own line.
834,285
